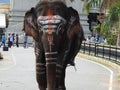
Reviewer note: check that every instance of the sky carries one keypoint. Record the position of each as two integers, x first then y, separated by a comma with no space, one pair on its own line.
5,1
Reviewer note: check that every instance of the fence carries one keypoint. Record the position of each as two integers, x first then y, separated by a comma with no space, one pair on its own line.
100,50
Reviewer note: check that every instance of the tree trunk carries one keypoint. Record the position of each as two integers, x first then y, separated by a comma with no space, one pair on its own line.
118,40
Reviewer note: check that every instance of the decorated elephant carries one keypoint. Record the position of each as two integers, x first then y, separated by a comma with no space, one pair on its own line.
58,35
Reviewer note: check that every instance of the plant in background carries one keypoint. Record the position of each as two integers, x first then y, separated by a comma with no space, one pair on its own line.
97,28
111,25
112,11
88,4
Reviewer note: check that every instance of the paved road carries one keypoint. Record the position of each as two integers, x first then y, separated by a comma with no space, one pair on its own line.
89,76
21,76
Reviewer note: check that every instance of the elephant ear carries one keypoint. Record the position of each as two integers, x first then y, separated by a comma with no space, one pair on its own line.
75,35
74,27
30,23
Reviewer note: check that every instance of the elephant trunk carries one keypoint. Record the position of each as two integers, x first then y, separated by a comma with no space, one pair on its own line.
51,26
51,59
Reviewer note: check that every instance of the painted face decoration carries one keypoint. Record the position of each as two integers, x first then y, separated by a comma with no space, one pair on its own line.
51,23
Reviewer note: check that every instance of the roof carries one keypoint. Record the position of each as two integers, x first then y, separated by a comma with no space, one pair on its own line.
4,6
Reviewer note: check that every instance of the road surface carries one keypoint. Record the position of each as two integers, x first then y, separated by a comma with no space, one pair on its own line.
21,75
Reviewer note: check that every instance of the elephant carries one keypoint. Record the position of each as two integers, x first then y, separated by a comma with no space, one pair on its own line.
58,35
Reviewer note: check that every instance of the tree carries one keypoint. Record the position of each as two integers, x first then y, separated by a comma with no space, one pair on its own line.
111,25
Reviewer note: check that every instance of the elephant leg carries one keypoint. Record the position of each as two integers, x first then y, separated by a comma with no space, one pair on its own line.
40,66
62,81
41,76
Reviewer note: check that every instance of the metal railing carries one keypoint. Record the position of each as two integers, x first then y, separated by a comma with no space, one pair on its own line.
101,50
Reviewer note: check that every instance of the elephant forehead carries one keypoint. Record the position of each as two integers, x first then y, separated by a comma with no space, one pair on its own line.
50,8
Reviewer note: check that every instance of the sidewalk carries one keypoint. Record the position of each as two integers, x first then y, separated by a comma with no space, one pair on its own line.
7,60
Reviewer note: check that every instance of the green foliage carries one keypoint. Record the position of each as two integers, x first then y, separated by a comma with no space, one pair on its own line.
97,28
87,6
111,39
112,20
91,4
114,13
105,29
